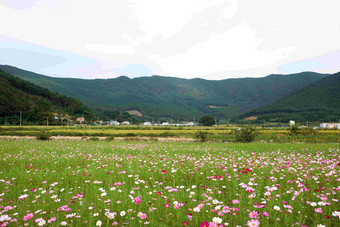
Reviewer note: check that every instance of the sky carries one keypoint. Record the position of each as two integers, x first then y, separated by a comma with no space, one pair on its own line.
210,39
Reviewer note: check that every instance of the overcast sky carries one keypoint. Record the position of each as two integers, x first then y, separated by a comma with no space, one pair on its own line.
211,39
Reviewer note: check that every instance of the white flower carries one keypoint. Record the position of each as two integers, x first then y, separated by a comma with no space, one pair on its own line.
215,201
196,209
217,220
320,225
336,214
95,214
110,215
41,222
63,223
321,203
313,204
122,213
276,208
99,223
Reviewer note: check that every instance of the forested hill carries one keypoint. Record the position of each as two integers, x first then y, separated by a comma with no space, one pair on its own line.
316,102
160,97
36,103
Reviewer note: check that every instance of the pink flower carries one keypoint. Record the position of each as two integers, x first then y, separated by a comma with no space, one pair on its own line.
253,222
253,214
167,205
318,210
115,223
28,217
265,214
235,201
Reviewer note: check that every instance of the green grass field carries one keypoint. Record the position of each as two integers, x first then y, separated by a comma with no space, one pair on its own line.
84,183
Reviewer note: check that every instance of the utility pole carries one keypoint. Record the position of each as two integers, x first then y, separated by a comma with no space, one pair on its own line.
20,118
47,122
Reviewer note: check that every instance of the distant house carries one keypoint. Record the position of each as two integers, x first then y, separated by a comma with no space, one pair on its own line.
330,125
125,123
80,119
165,123
113,122
147,123
190,124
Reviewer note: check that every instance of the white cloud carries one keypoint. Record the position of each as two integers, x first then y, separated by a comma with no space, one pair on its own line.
235,50
184,38
110,49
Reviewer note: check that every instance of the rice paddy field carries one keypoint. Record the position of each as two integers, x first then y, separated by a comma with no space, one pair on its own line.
102,183
224,133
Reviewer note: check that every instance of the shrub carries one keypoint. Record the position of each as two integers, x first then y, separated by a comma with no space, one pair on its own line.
294,130
43,136
202,136
94,139
246,134
110,138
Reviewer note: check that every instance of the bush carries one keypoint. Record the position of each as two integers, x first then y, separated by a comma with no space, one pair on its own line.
202,136
94,139
294,130
110,138
43,136
246,134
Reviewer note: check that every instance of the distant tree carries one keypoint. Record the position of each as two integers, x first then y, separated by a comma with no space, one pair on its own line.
207,120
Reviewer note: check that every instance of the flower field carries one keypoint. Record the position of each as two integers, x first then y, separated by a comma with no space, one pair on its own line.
83,183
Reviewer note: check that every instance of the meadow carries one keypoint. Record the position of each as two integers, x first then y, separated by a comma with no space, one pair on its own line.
102,183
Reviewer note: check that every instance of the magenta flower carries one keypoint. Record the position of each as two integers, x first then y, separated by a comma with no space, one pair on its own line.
265,214
204,224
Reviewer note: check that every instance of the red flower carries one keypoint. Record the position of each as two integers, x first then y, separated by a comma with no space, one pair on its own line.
185,223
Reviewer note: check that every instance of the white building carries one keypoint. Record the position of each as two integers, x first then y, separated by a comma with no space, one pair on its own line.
147,123
330,125
113,122
125,123
165,123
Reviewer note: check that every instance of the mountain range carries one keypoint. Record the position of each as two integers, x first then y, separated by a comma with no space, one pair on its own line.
320,101
160,97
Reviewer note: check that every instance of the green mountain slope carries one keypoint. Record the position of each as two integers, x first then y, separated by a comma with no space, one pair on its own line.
36,103
167,97
316,102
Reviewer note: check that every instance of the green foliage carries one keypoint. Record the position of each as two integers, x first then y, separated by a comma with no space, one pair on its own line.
36,103
166,97
207,121
246,134
43,136
201,136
